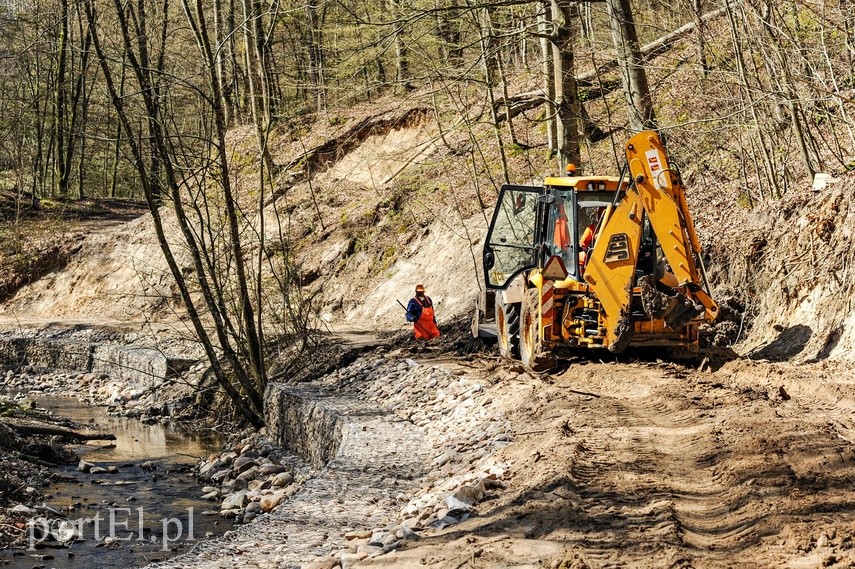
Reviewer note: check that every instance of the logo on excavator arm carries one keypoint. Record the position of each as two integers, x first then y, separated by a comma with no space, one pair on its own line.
618,249
654,162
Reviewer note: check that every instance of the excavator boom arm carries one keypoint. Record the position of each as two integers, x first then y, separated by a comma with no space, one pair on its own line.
655,192
664,200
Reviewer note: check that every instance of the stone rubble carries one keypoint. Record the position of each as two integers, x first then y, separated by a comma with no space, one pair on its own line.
415,455
153,377
161,402
250,481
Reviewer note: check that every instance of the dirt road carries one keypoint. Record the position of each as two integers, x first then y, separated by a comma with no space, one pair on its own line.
649,464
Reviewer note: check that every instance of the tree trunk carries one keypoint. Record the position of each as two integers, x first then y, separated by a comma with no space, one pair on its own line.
566,95
118,145
548,76
259,93
586,19
402,56
314,39
38,170
700,30
263,55
63,169
848,25
633,75
221,33
55,431
450,38
237,87
488,59
79,106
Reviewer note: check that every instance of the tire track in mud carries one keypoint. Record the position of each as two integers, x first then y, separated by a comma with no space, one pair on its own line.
675,466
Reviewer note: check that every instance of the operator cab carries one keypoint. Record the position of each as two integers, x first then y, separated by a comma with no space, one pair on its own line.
573,221
512,238
531,224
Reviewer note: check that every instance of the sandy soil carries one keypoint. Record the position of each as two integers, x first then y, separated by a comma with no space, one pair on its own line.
651,464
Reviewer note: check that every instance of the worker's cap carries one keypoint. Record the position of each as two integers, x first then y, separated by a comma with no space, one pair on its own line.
420,288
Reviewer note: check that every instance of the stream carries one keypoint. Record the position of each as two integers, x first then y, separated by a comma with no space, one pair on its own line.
151,495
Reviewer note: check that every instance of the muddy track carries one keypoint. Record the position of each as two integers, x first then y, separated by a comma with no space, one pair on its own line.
665,466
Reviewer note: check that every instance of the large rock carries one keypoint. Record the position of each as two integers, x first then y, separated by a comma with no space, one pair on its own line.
248,474
470,495
271,501
282,479
269,469
220,475
235,501
243,463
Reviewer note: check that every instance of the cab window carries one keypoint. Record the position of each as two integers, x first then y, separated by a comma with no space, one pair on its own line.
511,239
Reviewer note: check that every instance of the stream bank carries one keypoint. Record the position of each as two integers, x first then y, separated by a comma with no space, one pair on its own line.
389,449
117,504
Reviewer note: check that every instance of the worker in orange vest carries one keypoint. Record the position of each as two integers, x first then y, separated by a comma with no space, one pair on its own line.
586,243
420,313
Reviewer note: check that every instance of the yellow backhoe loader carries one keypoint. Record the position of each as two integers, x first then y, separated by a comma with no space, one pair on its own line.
595,262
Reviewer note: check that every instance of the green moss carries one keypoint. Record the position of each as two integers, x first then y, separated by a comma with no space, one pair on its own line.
388,258
513,150
743,200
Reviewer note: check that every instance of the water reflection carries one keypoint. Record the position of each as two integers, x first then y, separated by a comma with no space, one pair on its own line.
143,497
134,440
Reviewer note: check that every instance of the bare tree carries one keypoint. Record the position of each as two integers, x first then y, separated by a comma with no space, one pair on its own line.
700,32
315,16
632,72
548,74
233,345
564,14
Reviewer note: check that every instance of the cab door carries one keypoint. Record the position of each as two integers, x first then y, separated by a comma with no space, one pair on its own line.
511,246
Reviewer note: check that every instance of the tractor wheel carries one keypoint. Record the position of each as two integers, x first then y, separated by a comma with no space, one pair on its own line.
508,328
531,342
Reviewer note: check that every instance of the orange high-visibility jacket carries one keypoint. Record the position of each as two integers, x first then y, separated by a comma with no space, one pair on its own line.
425,325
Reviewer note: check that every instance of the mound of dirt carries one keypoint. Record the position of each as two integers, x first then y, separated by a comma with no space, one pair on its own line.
789,263
26,262
112,270
455,340
41,237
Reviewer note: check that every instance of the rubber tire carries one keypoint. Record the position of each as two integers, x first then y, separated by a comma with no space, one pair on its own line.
531,349
508,329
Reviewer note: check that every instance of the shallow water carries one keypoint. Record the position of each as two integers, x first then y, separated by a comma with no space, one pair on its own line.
142,505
